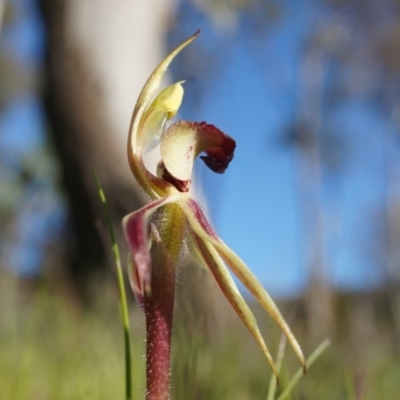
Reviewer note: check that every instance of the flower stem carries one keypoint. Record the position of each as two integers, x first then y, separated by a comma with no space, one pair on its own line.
159,307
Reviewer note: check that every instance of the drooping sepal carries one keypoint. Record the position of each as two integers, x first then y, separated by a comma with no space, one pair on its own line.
202,228
137,233
209,258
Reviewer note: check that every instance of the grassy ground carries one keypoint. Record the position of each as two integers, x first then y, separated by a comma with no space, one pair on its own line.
50,349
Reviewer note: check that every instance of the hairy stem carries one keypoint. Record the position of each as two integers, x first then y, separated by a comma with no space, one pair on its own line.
158,307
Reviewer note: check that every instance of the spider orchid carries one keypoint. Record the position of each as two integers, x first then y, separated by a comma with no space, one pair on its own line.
157,233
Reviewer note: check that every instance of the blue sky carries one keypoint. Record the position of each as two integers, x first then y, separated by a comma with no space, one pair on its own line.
255,204
254,201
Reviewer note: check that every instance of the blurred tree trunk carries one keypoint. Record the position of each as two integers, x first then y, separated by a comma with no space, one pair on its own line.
310,180
99,54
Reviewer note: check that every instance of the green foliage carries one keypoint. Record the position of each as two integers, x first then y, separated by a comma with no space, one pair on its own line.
51,349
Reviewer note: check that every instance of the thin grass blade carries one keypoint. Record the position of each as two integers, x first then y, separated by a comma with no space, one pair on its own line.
121,289
278,365
349,384
298,375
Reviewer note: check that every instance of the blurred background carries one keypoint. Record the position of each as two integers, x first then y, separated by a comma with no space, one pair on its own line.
311,93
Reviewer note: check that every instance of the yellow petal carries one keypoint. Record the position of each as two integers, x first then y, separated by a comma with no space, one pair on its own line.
164,107
202,228
209,257
169,99
153,186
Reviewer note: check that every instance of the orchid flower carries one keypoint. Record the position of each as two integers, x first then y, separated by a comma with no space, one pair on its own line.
158,233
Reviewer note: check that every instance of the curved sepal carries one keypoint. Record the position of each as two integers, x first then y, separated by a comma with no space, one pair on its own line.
153,186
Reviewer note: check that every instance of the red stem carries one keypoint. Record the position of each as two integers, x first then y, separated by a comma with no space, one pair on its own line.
159,307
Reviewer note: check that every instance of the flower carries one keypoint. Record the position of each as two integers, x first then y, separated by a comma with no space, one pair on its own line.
157,232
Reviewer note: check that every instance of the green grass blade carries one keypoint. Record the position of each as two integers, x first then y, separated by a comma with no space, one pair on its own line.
349,384
273,384
297,376
121,288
